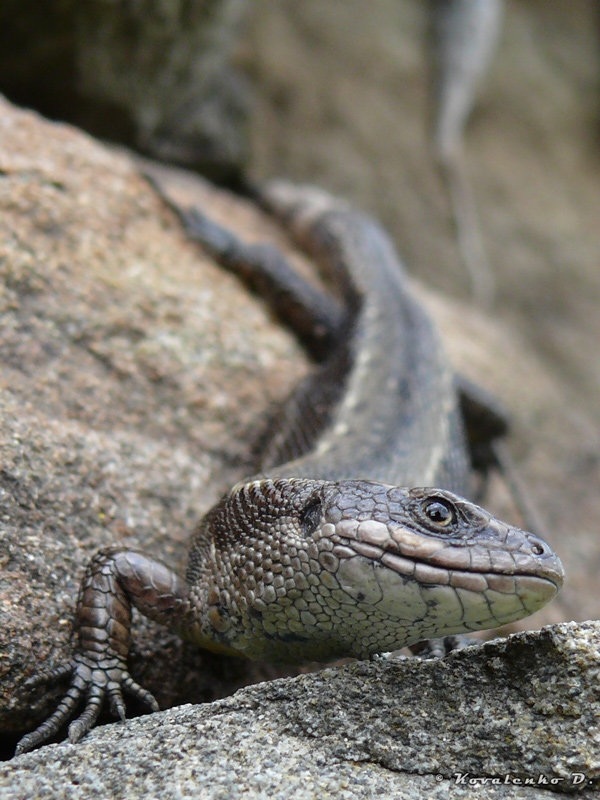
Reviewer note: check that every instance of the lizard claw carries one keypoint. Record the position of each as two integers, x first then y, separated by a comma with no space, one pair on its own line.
138,691
114,580
96,682
80,726
55,721
116,702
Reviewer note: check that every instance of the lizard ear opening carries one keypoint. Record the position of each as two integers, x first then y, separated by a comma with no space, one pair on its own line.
310,516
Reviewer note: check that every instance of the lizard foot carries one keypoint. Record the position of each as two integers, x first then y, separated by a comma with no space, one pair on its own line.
440,647
94,681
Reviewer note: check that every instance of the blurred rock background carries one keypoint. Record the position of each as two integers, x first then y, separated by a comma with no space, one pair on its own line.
338,93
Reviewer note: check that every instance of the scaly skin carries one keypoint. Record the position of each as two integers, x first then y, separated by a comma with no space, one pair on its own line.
296,570
313,570
314,561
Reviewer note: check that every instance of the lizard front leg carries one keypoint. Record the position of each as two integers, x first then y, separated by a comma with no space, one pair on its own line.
116,579
313,315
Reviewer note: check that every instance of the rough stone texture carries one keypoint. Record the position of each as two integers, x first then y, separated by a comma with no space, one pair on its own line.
157,75
526,707
134,374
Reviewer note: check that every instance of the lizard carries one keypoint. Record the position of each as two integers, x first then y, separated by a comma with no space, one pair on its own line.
356,537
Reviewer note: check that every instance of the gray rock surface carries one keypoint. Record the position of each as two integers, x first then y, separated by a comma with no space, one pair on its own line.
526,707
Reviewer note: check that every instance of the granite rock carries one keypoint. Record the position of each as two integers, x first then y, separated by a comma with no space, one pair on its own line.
520,709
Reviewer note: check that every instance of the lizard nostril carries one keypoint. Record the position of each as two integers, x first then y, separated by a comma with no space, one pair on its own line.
538,549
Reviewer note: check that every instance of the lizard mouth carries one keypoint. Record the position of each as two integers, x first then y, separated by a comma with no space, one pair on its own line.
500,577
507,594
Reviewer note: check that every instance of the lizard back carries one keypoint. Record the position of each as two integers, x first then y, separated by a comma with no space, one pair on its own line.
383,405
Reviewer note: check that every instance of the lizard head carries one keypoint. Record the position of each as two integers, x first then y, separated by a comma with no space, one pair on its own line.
436,558
361,567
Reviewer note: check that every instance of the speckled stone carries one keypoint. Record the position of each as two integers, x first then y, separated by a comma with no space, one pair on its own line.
522,707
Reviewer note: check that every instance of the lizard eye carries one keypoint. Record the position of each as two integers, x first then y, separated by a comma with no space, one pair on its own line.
440,512
310,517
